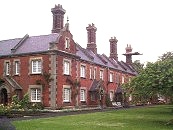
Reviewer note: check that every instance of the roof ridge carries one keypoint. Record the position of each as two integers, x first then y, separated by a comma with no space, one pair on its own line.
19,43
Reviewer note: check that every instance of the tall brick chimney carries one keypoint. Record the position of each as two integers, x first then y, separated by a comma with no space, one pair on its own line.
91,31
113,48
129,54
58,18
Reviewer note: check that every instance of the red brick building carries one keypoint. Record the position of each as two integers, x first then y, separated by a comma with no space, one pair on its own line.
56,71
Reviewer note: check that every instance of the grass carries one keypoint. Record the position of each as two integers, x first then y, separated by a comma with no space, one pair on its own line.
147,118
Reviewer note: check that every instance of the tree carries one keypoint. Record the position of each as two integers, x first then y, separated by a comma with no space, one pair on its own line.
156,78
138,66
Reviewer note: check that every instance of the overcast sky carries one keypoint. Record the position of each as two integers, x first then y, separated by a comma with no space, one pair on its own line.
145,24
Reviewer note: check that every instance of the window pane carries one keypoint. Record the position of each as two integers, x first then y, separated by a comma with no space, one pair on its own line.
35,95
82,71
16,67
111,77
111,95
36,66
66,67
82,95
7,68
66,95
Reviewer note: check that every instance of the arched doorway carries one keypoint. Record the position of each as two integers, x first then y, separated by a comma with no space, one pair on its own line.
3,96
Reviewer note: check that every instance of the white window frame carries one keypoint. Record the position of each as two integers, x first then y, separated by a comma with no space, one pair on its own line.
90,72
122,79
17,67
95,73
83,95
83,71
67,67
35,94
111,75
36,66
66,94
67,43
7,68
101,74
111,95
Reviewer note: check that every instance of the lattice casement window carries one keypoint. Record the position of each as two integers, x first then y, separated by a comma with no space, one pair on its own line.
35,94
16,67
67,67
83,95
7,68
83,71
67,43
111,77
36,66
66,94
101,74
111,95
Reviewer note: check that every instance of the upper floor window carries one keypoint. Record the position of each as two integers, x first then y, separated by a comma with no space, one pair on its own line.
117,78
82,71
111,77
101,74
122,79
95,71
66,67
7,68
35,95
67,43
90,72
16,67
36,66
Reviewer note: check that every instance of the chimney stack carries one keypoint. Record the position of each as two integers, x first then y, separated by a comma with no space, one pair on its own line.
129,54
91,31
58,18
113,48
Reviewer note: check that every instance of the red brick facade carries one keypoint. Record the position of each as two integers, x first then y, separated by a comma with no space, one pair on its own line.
59,72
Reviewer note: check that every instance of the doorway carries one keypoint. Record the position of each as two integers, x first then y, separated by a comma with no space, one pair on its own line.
3,96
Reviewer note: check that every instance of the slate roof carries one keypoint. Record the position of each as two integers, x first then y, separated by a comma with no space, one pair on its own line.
95,85
28,45
35,44
103,60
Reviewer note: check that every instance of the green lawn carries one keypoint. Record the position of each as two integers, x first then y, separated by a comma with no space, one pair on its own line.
148,118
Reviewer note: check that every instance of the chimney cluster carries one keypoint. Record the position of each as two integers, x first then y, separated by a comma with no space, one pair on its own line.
58,23
58,18
113,48
91,31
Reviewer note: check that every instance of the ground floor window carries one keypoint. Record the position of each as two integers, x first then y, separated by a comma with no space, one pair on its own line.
35,95
66,95
111,94
82,95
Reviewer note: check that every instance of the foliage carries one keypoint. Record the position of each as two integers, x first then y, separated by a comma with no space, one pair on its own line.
108,101
138,66
166,56
145,118
156,78
19,106
75,85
